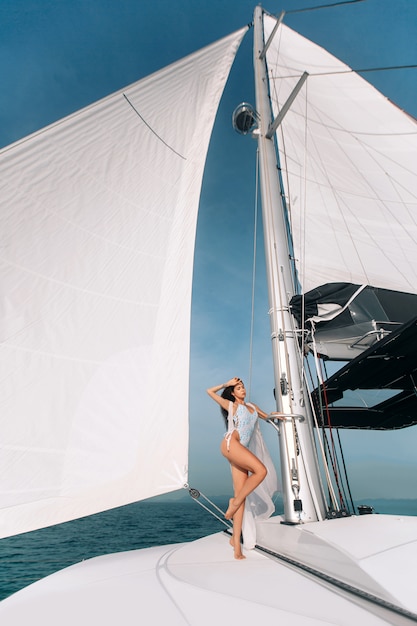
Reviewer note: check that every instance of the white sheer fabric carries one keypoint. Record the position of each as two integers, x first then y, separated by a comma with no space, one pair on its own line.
259,504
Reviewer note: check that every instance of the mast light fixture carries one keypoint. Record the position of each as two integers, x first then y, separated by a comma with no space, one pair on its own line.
245,119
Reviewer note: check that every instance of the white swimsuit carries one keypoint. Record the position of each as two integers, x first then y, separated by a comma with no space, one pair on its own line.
259,504
243,422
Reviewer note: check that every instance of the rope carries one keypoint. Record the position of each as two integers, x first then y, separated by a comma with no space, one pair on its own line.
196,494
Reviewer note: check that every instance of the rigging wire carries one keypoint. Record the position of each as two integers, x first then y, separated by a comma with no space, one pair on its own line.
303,218
196,494
255,227
278,322
351,70
344,479
335,456
298,458
324,6
330,487
412,66
295,436
332,449
345,471
301,348
302,271
332,456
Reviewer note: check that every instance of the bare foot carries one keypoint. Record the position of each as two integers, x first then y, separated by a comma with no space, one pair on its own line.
237,549
232,509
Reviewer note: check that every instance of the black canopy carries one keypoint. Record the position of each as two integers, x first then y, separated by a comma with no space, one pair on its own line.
389,364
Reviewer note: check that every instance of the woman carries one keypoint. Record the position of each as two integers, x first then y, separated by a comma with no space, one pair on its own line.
241,419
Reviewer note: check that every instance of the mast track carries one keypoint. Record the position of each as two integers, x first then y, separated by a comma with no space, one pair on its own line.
349,590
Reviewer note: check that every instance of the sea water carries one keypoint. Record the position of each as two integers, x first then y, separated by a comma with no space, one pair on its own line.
29,557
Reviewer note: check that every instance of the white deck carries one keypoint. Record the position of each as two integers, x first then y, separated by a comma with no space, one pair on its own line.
377,553
194,583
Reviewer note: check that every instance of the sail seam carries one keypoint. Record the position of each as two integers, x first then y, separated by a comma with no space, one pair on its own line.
152,130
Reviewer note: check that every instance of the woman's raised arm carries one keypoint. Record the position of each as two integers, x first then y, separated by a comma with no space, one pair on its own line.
213,392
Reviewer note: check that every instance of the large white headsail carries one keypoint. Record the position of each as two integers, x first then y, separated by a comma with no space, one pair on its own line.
98,225
349,170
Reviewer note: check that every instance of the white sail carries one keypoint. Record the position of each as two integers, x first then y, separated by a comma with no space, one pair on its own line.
351,186
339,570
98,226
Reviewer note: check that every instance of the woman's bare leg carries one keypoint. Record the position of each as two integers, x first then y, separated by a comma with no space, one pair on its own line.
239,477
243,458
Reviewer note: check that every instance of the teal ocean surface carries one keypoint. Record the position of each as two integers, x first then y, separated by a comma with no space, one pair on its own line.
29,557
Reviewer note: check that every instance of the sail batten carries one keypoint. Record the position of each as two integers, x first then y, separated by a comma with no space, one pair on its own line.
99,218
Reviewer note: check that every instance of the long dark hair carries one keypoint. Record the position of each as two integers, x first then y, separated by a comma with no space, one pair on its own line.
227,395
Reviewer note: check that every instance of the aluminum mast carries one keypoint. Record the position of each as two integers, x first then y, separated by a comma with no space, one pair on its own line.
302,490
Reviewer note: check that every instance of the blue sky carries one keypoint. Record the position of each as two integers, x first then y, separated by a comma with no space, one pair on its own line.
57,56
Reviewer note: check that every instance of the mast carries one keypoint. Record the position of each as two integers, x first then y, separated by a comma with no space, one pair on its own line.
302,490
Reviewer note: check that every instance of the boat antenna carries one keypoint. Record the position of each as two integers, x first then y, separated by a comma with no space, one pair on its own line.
324,6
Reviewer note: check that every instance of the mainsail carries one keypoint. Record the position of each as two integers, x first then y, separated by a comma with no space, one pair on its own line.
99,215
350,184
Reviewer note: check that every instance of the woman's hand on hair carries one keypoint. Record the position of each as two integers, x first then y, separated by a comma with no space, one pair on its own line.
233,382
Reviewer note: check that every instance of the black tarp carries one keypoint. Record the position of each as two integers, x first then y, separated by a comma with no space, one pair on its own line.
395,306
389,364
343,319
